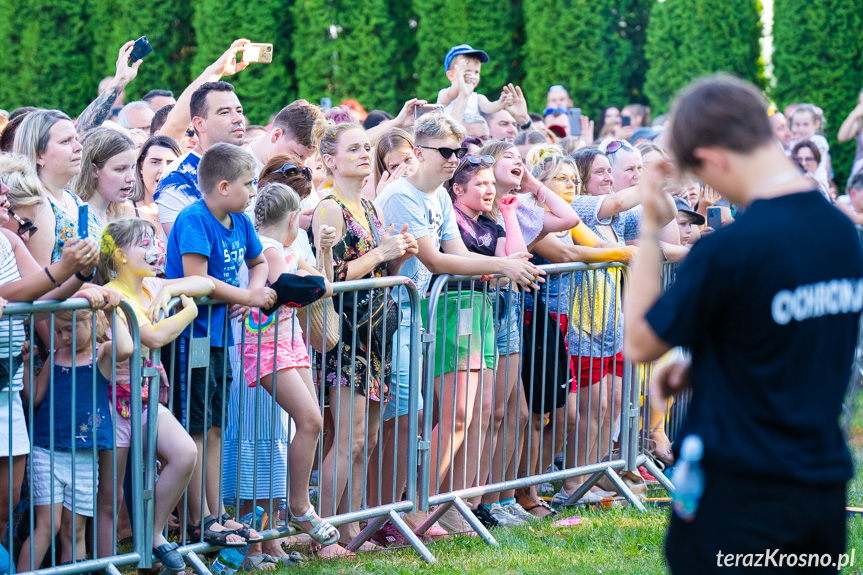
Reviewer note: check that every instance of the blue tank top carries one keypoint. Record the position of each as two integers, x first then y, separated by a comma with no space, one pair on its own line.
78,413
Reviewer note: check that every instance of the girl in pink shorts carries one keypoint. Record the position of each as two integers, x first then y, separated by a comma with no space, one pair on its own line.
275,354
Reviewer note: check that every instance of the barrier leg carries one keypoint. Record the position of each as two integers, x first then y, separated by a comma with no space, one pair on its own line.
658,474
474,522
415,541
195,562
624,490
583,488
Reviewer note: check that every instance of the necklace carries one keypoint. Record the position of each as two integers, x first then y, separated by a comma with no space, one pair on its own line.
773,181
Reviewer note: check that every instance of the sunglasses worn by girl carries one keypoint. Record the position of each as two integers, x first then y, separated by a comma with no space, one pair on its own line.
291,170
448,152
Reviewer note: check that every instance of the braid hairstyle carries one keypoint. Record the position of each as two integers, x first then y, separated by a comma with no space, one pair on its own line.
273,204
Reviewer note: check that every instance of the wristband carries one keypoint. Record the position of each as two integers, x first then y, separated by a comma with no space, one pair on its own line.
50,277
526,126
86,279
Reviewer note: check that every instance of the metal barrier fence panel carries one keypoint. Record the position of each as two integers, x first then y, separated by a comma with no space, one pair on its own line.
354,449
64,361
492,428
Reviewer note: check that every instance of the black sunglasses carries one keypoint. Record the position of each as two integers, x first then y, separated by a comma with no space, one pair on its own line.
24,226
448,152
190,132
291,170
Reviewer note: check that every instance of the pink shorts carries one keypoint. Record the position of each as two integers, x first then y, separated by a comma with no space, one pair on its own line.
292,353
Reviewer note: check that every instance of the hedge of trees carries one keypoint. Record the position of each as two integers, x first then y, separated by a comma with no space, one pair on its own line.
818,57
382,52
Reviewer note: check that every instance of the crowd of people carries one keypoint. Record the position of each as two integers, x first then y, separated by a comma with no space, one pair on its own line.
186,199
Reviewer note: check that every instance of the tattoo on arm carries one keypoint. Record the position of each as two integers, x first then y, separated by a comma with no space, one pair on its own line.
98,110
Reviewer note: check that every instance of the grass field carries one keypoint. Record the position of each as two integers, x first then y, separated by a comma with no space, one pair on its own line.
616,541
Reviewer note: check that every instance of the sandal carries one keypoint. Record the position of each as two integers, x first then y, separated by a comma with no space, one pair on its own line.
291,560
262,562
244,531
169,557
219,538
321,531
541,504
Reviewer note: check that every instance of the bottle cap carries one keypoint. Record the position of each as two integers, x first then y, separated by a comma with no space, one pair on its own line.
259,510
692,448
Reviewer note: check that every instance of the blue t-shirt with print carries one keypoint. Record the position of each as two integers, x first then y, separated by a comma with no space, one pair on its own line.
426,215
178,187
197,231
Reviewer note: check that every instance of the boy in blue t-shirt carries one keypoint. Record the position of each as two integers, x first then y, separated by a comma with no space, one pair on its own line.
213,237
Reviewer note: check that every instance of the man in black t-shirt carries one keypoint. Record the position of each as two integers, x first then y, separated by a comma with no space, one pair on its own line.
771,316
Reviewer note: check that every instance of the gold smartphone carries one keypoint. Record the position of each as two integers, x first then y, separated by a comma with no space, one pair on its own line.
258,53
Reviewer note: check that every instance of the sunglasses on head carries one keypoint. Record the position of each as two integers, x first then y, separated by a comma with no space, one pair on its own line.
448,152
24,226
613,146
472,162
291,170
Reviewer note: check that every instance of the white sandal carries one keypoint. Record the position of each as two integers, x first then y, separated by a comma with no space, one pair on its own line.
321,532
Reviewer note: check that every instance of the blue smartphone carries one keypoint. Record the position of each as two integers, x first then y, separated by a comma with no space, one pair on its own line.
714,217
140,49
83,217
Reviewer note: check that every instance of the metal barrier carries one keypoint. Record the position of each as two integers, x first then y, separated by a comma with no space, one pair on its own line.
460,392
64,458
347,455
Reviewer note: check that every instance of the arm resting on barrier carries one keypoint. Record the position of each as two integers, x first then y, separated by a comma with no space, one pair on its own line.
196,264
35,283
557,252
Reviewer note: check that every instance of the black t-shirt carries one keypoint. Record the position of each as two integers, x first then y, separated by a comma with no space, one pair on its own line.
770,307
480,236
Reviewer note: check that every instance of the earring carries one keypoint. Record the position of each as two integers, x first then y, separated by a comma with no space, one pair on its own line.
124,260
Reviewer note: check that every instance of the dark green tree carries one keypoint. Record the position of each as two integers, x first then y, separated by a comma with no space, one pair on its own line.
168,27
404,36
690,38
489,25
818,58
263,89
46,61
312,47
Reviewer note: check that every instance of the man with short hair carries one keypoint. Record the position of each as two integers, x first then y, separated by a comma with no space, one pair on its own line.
558,97
638,114
477,127
290,133
158,99
159,119
771,317
217,117
136,116
501,126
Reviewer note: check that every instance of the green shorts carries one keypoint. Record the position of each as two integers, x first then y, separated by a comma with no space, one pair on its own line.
471,348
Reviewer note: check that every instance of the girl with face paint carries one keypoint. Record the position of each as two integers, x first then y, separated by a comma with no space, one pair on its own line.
131,258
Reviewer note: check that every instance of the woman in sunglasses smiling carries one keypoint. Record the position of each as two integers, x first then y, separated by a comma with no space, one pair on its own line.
26,201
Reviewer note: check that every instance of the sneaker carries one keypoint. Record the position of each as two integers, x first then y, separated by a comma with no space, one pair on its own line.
503,517
648,477
453,522
545,489
589,498
388,535
486,518
519,512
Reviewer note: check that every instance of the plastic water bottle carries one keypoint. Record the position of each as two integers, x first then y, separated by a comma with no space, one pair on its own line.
688,478
230,558
257,522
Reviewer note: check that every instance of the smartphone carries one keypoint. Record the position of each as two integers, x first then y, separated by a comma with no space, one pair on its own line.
422,110
83,217
140,49
625,121
714,217
326,103
258,53
574,121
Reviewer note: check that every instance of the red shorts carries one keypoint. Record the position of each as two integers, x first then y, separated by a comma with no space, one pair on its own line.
586,370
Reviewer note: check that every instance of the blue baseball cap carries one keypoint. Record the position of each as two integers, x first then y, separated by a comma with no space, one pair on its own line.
460,50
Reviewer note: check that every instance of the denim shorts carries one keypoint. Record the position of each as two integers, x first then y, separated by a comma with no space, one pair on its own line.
507,305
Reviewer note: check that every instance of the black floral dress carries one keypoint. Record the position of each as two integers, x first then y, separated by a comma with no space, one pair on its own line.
359,358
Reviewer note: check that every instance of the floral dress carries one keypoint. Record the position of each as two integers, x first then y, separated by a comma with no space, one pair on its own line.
358,359
66,226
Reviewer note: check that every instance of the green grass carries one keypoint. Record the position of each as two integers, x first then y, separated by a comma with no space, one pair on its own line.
611,541
607,541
